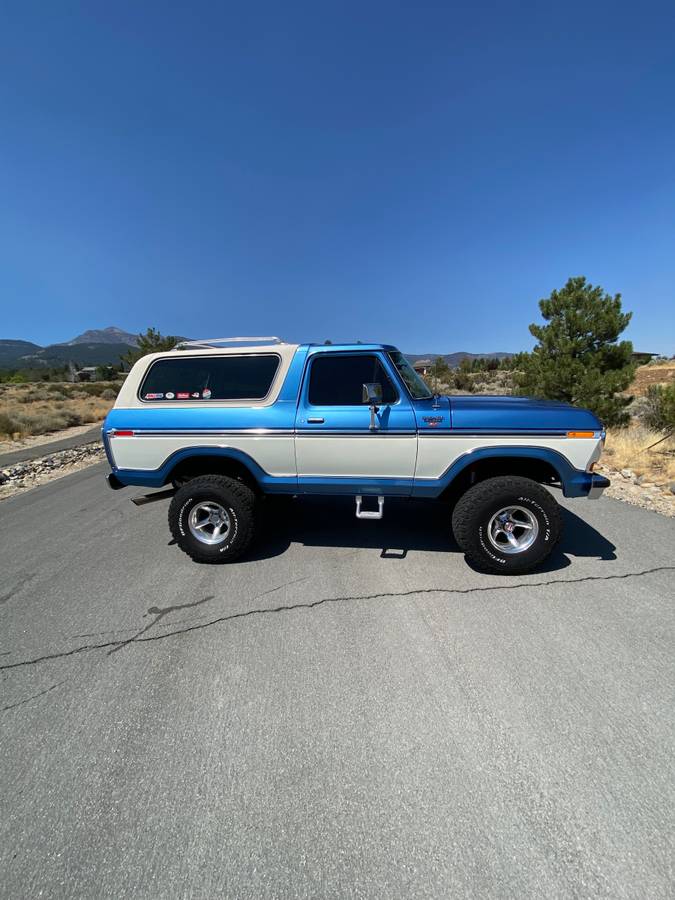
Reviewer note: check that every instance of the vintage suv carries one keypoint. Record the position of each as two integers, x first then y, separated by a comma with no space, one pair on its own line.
231,420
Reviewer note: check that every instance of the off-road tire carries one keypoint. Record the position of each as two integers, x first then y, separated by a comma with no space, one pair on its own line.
475,509
236,498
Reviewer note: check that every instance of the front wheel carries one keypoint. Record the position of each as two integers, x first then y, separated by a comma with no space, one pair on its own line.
507,524
212,518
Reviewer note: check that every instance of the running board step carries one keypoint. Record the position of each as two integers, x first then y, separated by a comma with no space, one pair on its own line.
154,497
369,513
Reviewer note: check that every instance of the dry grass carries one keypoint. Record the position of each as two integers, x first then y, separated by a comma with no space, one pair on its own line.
626,449
29,409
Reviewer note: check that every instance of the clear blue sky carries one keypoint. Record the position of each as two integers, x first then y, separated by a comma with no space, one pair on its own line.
419,174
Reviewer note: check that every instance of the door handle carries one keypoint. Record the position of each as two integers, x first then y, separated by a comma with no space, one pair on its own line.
315,420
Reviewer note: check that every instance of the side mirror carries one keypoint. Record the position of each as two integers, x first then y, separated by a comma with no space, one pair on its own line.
372,393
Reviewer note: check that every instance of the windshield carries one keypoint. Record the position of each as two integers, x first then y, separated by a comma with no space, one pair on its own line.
414,383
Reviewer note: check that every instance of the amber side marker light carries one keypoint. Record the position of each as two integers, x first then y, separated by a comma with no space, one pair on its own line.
580,434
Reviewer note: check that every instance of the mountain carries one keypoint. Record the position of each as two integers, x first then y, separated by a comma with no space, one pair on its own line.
25,355
454,359
110,335
97,347
10,351
104,346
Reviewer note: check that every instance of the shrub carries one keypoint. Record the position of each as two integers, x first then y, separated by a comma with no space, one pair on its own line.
8,425
658,407
463,381
108,394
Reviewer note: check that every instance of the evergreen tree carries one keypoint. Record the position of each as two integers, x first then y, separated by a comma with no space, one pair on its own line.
150,342
577,358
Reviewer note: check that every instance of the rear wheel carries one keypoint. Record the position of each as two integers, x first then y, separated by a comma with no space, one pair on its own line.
507,524
212,518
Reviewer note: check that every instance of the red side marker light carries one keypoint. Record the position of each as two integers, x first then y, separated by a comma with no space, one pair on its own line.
122,434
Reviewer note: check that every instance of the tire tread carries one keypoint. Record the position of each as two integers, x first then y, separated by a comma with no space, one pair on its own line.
247,523
463,516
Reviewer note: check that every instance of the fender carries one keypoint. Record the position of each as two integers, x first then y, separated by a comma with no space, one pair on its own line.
575,482
158,477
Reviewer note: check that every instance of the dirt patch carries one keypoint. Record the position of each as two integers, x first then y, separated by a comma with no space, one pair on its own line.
658,373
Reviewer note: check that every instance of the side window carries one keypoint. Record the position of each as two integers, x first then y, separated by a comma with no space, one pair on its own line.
223,377
337,380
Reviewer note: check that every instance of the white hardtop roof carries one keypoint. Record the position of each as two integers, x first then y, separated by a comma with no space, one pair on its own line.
230,345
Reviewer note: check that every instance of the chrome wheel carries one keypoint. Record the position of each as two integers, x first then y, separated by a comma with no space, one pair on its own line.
513,529
209,522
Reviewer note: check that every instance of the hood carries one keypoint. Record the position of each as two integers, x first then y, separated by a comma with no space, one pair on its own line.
524,414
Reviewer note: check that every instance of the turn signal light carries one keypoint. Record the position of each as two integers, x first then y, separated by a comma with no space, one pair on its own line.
580,434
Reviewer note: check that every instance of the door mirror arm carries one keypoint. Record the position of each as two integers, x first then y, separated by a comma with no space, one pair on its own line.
372,394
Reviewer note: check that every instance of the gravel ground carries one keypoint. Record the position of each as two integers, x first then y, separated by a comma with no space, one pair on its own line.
24,476
626,486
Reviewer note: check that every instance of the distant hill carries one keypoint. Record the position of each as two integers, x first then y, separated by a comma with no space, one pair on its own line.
92,348
10,351
104,346
454,359
110,335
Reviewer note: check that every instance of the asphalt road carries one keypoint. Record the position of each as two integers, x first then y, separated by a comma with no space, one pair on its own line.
351,711
39,450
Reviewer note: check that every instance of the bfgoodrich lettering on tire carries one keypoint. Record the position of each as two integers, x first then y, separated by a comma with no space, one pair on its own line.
212,518
507,524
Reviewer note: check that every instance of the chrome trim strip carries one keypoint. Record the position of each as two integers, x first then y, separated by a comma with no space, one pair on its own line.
301,432
216,432
456,433
263,432
326,432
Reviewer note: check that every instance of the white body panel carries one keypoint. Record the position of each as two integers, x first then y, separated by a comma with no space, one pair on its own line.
368,455
326,455
435,454
274,453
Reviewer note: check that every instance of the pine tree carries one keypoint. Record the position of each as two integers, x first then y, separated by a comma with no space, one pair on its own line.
150,342
577,358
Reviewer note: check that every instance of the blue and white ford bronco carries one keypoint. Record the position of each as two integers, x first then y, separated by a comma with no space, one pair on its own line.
229,421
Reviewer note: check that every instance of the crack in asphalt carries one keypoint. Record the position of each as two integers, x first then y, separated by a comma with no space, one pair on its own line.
158,612
158,624
33,696
137,639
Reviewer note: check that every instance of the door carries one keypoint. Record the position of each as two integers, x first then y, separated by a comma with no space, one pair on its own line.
336,449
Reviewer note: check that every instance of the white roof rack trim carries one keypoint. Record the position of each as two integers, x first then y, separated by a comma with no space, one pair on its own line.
209,342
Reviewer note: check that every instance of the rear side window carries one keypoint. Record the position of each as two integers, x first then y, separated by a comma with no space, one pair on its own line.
338,380
195,378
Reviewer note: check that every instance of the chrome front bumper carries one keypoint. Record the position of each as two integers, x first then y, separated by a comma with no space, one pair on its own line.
598,485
